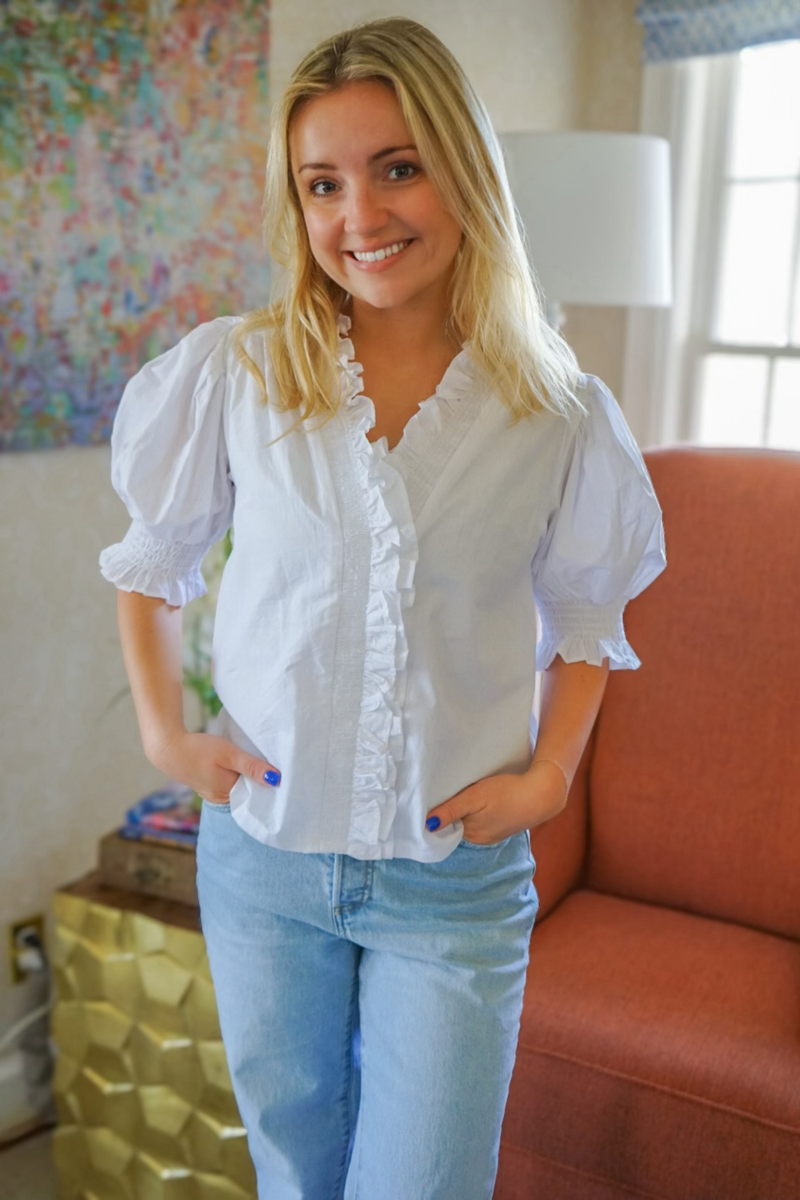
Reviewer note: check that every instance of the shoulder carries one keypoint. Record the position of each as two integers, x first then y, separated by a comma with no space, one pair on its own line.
606,457
188,376
596,394
213,339
203,352
603,424
247,337
595,399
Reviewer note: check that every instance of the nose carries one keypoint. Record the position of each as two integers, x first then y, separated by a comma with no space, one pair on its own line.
366,212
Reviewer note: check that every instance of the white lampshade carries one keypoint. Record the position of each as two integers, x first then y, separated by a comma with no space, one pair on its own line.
596,208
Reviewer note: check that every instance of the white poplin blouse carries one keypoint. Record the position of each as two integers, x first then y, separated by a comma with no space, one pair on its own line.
375,633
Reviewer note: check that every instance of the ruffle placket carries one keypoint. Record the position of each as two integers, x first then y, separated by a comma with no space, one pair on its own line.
393,559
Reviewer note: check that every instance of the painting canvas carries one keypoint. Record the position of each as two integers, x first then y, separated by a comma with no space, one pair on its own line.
132,152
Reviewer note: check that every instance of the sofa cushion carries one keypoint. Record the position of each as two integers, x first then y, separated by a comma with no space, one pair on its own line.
658,1051
523,1175
696,766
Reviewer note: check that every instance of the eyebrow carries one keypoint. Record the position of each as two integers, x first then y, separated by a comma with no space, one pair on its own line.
323,166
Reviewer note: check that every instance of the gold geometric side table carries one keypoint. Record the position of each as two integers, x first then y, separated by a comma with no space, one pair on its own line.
145,1105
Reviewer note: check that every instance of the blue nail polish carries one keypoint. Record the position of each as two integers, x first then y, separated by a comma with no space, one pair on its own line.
272,777
433,823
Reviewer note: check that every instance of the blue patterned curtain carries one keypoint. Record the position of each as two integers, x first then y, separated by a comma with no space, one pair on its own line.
686,28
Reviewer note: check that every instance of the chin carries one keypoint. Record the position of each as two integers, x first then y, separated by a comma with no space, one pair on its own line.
388,295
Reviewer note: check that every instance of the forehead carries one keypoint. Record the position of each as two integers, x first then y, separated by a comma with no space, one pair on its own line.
350,123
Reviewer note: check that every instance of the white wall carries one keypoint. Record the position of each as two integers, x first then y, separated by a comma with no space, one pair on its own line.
523,56
68,767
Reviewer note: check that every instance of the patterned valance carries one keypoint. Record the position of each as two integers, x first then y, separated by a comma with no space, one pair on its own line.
686,28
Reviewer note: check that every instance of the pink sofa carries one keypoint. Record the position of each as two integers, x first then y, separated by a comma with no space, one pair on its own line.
659,1052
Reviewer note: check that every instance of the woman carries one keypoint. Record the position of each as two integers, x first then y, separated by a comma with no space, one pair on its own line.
408,455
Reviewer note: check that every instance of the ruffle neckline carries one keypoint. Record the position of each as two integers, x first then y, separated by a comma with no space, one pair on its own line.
457,381
432,434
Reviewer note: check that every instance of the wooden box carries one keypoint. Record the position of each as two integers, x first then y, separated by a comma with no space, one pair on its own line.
148,868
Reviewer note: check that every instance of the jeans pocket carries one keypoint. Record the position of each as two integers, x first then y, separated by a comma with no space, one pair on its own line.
214,807
483,845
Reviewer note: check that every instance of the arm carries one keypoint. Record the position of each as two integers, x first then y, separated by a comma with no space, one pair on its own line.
151,635
150,632
571,697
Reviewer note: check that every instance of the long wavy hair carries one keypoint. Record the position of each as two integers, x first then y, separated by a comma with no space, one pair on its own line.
496,303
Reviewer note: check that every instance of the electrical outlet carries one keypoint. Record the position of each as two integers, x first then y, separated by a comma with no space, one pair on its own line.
23,958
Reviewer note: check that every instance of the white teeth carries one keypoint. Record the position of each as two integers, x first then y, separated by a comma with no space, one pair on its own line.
379,255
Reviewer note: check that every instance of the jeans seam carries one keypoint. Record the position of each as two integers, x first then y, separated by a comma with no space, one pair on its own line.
355,1167
339,926
345,1098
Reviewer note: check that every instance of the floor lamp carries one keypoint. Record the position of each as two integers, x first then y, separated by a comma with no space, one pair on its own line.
596,211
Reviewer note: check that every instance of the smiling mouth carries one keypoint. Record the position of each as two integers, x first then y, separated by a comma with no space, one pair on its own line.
371,256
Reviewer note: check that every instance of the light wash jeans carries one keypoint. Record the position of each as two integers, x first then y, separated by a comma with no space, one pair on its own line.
369,1010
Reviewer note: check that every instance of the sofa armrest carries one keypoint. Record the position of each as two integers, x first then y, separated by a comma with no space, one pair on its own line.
559,845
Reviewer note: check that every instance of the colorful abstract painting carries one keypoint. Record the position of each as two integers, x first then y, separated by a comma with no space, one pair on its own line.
132,151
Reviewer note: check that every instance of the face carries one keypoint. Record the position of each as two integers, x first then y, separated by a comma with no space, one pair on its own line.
364,191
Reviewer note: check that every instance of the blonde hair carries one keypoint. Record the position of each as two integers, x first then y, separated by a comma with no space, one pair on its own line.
495,298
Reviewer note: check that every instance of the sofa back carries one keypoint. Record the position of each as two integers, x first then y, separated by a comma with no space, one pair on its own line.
694,781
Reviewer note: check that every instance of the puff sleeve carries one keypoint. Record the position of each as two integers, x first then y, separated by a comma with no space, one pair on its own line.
604,544
169,465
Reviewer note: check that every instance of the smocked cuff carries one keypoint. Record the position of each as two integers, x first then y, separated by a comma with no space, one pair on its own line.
584,633
142,563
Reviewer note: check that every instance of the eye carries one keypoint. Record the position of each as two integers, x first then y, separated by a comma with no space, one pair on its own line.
326,183
404,167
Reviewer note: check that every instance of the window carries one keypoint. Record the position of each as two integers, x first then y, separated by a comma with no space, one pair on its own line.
747,344
722,366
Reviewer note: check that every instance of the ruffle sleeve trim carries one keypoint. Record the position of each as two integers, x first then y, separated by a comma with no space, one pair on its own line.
142,563
584,634
393,558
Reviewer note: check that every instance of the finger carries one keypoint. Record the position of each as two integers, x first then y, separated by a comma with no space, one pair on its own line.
255,768
444,814
217,789
215,797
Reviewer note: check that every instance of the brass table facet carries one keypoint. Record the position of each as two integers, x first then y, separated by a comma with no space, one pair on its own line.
145,1105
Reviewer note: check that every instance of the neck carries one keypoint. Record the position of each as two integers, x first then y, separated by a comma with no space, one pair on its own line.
409,329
